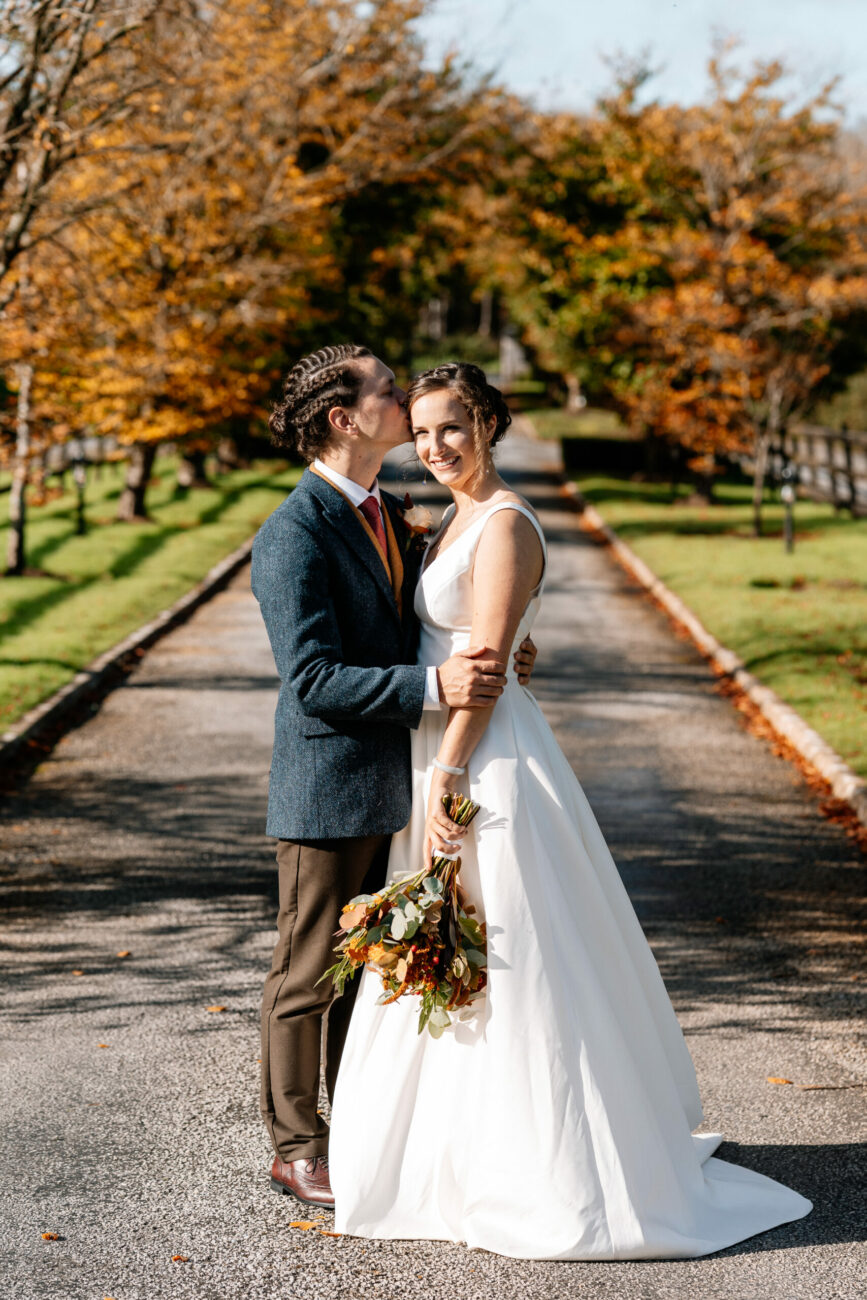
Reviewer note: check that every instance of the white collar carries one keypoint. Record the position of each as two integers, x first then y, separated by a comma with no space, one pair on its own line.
348,486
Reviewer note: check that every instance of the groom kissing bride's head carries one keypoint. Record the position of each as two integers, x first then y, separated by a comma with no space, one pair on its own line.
335,575
344,401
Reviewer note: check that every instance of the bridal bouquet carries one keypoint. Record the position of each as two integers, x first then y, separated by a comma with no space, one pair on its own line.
420,936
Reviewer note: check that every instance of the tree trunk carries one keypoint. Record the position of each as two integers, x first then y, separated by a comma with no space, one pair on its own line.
191,471
16,549
228,455
651,455
575,398
702,486
486,314
132,500
759,470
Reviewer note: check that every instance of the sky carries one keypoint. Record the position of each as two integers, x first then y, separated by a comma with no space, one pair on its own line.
554,50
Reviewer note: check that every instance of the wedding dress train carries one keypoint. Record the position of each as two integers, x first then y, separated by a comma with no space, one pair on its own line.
553,1121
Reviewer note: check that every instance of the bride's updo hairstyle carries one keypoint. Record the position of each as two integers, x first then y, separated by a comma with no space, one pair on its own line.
481,401
316,383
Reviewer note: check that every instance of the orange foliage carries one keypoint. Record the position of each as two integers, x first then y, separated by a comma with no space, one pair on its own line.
207,233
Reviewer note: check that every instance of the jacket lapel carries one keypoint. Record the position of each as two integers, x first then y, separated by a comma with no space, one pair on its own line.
338,511
395,531
411,557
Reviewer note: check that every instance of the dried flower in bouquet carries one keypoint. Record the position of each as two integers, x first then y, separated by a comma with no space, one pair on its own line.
420,935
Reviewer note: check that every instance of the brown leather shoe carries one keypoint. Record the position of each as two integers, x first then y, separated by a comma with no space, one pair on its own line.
305,1179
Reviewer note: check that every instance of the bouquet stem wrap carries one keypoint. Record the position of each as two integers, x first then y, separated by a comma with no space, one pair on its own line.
421,937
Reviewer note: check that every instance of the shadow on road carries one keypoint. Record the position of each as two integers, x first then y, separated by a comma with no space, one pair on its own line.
830,1176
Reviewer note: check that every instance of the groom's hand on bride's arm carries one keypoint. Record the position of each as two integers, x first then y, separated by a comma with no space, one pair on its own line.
525,659
471,679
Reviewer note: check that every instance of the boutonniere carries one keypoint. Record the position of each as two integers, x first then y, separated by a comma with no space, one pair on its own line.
418,522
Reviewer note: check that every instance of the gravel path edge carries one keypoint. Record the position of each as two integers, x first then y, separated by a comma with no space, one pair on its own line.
845,784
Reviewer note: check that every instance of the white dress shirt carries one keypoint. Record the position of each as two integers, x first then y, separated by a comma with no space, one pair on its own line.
356,494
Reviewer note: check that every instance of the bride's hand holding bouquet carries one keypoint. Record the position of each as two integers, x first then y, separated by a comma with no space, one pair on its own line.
420,934
442,836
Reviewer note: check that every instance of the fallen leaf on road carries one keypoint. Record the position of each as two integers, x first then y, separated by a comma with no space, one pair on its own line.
323,1233
102,1044
828,1087
215,1008
305,1224
50,1236
180,1259
78,972
125,952
817,1087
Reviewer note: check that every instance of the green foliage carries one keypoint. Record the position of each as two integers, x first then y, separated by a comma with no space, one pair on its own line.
475,348
849,406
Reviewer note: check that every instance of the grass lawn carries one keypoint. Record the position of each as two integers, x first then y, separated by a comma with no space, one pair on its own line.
592,422
798,621
101,587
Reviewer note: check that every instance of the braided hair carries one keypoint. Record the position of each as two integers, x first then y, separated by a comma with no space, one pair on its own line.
315,384
470,386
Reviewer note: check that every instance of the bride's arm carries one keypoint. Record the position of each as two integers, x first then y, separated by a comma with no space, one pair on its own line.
508,566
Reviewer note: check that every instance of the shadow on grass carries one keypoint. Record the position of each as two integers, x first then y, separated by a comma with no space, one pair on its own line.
806,527
32,662
729,515
28,611
801,649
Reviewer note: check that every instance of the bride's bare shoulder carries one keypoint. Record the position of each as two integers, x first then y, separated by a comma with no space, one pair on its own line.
510,545
515,498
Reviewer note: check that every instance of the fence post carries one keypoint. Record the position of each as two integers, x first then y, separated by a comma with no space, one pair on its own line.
850,474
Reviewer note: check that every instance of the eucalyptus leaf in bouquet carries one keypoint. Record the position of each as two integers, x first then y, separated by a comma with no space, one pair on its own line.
420,936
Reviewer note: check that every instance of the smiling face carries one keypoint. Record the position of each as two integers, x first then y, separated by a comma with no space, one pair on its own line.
445,440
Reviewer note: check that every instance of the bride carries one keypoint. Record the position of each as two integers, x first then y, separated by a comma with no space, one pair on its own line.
554,1119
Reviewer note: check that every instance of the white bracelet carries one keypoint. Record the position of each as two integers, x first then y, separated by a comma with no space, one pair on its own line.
452,771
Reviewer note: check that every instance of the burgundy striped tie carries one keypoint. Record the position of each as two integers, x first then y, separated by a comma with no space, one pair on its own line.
370,509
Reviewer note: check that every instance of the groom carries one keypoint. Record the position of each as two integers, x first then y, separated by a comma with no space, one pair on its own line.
334,571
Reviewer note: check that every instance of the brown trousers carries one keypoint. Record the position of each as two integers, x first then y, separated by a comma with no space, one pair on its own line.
316,878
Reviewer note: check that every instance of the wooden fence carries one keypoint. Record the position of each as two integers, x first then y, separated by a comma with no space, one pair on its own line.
830,464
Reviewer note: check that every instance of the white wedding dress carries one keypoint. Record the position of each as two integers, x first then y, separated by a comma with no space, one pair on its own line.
554,1120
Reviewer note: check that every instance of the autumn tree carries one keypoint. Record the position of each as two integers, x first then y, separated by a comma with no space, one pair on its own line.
568,232
765,266
267,136
65,77
690,266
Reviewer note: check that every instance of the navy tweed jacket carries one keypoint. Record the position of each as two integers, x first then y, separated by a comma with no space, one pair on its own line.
350,688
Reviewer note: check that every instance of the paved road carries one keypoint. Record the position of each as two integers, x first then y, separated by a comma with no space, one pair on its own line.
129,1109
